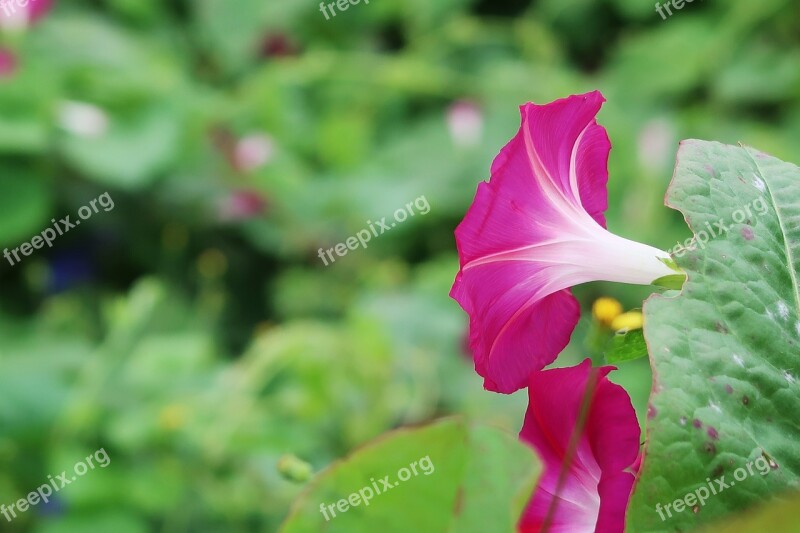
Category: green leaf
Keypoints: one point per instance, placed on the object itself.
(24, 206)
(725, 350)
(671, 264)
(674, 281)
(469, 478)
(626, 346)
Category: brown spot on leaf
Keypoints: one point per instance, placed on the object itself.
(710, 448)
(746, 400)
(747, 233)
(728, 389)
(696, 423)
(713, 433)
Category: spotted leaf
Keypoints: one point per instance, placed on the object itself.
(725, 351)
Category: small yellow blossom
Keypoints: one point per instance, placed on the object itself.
(628, 321)
(605, 310)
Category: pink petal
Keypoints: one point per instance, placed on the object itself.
(516, 312)
(524, 192)
(595, 490)
(573, 149)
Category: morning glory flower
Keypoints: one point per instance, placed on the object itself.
(586, 483)
(534, 230)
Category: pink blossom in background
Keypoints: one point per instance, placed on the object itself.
(8, 64)
(253, 152)
(656, 144)
(595, 488)
(242, 205)
(278, 45)
(534, 230)
(465, 122)
(38, 8)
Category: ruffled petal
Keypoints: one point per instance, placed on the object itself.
(596, 487)
(500, 333)
(572, 149)
(555, 167)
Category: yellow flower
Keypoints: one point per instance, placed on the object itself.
(630, 320)
(605, 310)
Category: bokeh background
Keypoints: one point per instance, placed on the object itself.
(194, 333)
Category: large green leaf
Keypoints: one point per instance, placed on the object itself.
(725, 351)
(475, 479)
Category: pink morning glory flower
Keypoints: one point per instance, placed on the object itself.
(592, 492)
(534, 230)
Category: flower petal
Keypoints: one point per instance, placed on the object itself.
(573, 148)
(595, 489)
(500, 333)
(554, 167)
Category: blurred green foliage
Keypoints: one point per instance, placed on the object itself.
(193, 332)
